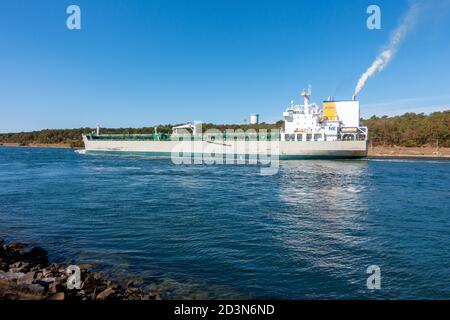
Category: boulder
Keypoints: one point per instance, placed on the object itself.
(16, 246)
(46, 273)
(55, 268)
(10, 276)
(56, 287)
(89, 283)
(58, 296)
(36, 268)
(3, 266)
(27, 278)
(36, 255)
(42, 284)
(20, 266)
(106, 294)
(33, 288)
(48, 279)
(2, 252)
(39, 275)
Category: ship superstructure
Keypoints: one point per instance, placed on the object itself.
(337, 120)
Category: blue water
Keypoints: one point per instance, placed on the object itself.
(224, 231)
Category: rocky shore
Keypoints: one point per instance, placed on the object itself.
(27, 274)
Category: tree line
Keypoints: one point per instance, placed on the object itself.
(408, 130)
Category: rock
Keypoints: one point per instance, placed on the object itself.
(46, 273)
(54, 268)
(20, 266)
(36, 268)
(2, 252)
(106, 294)
(56, 287)
(27, 278)
(16, 246)
(89, 282)
(133, 291)
(12, 256)
(16, 265)
(33, 288)
(9, 276)
(36, 255)
(42, 284)
(153, 294)
(2, 241)
(26, 274)
(81, 294)
(58, 296)
(3, 266)
(48, 280)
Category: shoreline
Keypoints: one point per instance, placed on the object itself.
(419, 153)
(39, 145)
(377, 152)
(27, 274)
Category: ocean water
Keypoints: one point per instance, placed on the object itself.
(225, 231)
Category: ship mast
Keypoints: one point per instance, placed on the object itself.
(306, 94)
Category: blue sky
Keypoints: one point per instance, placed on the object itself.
(144, 62)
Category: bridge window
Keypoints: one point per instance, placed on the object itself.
(289, 137)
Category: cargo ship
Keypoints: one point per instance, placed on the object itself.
(332, 131)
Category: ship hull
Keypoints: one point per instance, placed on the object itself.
(284, 150)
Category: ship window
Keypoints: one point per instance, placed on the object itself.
(299, 137)
(289, 137)
(308, 137)
(317, 136)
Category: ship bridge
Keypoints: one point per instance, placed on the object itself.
(337, 120)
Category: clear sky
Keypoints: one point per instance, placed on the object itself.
(144, 62)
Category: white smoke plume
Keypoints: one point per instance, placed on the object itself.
(397, 36)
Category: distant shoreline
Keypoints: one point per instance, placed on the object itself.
(39, 145)
(425, 153)
(378, 152)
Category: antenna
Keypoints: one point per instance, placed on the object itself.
(306, 95)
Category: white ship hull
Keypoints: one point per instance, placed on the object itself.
(236, 149)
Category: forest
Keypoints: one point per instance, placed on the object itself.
(408, 130)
